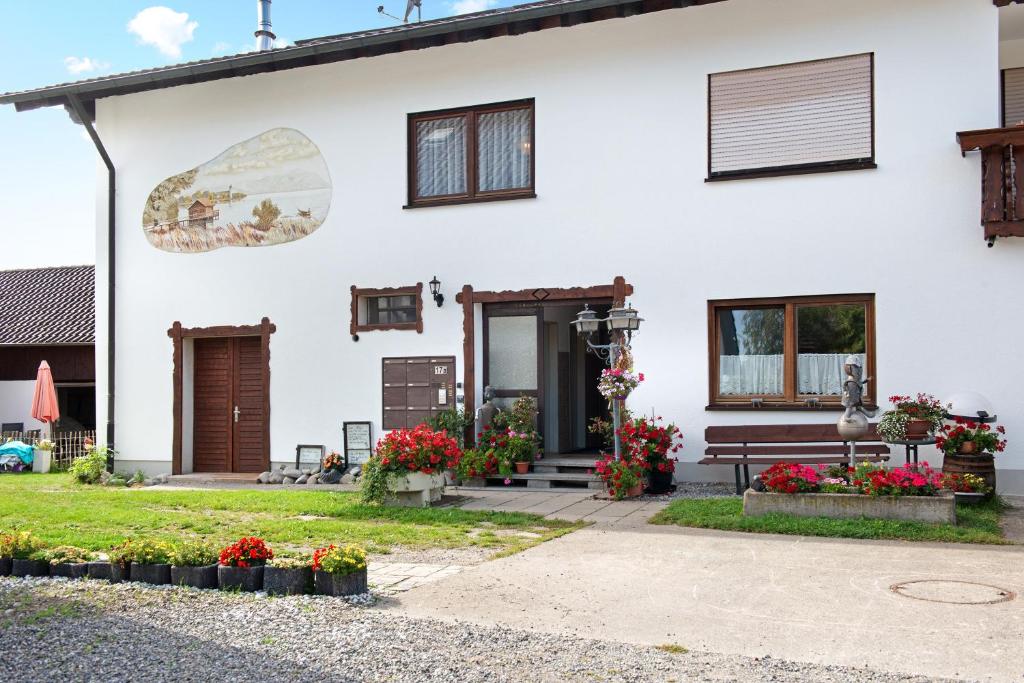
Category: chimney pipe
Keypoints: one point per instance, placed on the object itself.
(264, 36)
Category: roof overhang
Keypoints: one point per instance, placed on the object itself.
(465, 28)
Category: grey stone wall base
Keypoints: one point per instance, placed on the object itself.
(931, 509)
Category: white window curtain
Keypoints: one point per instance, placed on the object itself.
(441, 157)
(818, 374)
(503, 150)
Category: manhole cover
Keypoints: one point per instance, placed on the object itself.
(953, 592)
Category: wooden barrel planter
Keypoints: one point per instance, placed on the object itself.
(982, 465)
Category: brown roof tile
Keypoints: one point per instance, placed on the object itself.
(48, 306)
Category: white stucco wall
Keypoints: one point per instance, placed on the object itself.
(16, 403)
(621, 161)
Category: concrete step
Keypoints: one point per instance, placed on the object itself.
(587, 462)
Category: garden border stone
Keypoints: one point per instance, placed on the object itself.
(196, 577)
(940, 509)
(99, 570)
(156, 574)
(249, 579)
(339, 585)
(30, 567)
(5, 566)
(70, 570)
(119, 573)
(280, 581)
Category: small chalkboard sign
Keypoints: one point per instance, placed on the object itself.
(358, 438)
(309, 456)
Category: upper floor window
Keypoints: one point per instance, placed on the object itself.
(1013, 97)
(473, 154)
(796, 118)
(788, 351)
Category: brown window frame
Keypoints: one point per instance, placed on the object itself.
(795, 169)
(416, 290)
(790, 399)
(472, 194)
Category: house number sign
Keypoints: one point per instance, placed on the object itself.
(358, 441)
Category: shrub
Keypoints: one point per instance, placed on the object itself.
(476, 463)
(69, 554)
(303, 562)
(785, 477)
(90, 467)
(455, 421)
(122, 553)
(246, 552)
(23, 545)
(193, 554)
(149, 551)
(335, 560)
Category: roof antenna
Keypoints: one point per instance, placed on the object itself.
(408, 10)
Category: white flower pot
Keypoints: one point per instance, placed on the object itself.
(415, 489)
(41, 460)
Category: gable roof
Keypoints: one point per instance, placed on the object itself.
(504, 21)
(48, 306)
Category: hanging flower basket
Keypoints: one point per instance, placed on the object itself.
(617, 384)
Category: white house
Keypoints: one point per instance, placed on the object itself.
(773, 184)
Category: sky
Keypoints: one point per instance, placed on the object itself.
(48, 167)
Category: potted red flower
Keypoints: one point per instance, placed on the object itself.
(241, 564)
(409, 466)
(650, 445)
(911, 419)
(624, 478)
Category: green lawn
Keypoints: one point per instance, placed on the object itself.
(61, 511)
(976, 524)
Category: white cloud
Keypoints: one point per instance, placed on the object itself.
(221, 48)
(163, 28)
(468, 6)
(83, 65)
(281, 42)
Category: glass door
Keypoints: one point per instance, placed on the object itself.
(513, 358)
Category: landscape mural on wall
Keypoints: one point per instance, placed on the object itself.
(270, 189)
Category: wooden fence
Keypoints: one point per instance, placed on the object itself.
(66, 445)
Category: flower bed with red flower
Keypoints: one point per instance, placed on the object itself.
(418, 450)
(619, 475)
(951, 438)
(909, 480)
(246, 552)
(964, 483)
(649, 444)
(787, 477)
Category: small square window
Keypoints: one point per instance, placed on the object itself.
(387, 309)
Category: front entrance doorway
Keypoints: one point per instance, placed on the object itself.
(229, 395)
(530, 349)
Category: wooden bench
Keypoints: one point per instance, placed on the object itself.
(806, 444)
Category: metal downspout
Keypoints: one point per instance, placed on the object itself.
(83, 117)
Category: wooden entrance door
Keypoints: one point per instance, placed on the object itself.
(229, 420)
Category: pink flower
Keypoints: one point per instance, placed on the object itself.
(508, 482)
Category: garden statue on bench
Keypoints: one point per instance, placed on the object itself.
(853, 424)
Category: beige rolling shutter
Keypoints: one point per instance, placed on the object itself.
(792, 115)
(1013, 96)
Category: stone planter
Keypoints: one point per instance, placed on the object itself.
(99, 570)
(939, 509)
(70, 570)
(415, 490)
(156, 574)
(5, 566)
(41, 460)
(30, 567)
(196, 577)
(249, 579)
(120, 572)
(279, 581)
(341, 584)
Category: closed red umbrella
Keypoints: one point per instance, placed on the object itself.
(44, 400)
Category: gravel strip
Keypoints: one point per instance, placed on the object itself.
(56, 630)
(695, 489)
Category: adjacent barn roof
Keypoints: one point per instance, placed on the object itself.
(48, 306)
(505, 21)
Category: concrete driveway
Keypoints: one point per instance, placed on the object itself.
(804, 599)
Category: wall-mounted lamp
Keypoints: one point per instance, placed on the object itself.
(435, 291)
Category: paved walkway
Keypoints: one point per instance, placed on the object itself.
(397, 577)
(804, 599)
(567, 505)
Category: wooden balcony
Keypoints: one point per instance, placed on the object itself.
(1002, 178)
